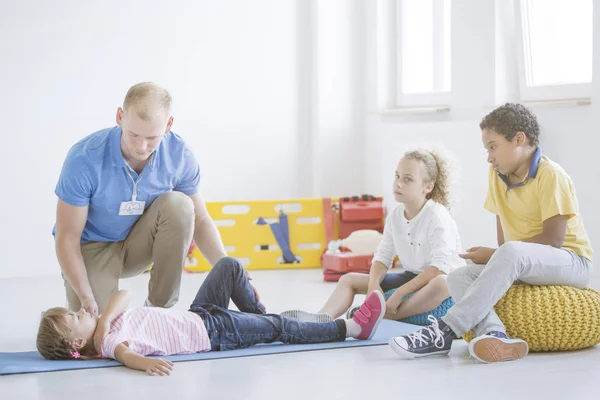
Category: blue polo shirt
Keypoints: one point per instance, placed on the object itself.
(94, 174)
(533, 169)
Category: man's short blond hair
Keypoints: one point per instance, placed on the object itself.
(148, 100)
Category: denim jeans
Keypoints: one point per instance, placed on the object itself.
(229, 329)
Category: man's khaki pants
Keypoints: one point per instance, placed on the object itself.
(159, 239)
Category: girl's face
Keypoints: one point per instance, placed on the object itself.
(411, 183)
(82, 324)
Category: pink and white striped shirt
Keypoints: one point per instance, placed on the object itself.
(153, 331)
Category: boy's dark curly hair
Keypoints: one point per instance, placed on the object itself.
(510, 119)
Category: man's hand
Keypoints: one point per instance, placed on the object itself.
(90, 306)
(157, 366)
(70, 221)
(478, 255)
(101, 330)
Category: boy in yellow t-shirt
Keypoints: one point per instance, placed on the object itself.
(541, 239)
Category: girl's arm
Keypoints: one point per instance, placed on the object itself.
(417, 283)
(376, 275)
(116, 305)
(384, 255)
(442, 238)
(152, 366)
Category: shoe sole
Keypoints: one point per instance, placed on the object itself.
(304, 316)
(412, 356)
(381, 313)
(491, 349)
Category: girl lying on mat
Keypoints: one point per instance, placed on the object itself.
(128, 335)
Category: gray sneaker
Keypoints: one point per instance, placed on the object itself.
(304, 316)
(432, 340)
(351, 312)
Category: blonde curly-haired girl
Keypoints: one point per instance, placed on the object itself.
(420, 232)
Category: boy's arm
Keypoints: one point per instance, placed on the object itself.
(558, 204)
(153, 366)
(499, 231)
(553, 232)
(116, 305)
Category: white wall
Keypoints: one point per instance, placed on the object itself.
(572, 141)
(482, 77)
(278, 98)
(340, 97)
(243, 75)
(457, 131)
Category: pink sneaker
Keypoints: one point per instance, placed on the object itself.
(370, 314)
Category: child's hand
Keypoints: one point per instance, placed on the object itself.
(478, 255)
(255, 292)
(371, 289)
(392, 304)
(252, 286)
(158, 366)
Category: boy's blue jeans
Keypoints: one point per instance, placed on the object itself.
(228, 329)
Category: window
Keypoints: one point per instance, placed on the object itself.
(423, 52)
(556, 54)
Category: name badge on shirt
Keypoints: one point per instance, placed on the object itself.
(132, 208)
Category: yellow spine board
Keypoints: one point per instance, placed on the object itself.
(243, 238)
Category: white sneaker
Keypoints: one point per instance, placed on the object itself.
(496, 346)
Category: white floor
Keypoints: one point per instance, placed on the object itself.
(373, 372)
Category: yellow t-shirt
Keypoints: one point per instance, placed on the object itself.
(523, 208)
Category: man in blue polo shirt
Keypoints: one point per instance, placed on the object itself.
(129, 199)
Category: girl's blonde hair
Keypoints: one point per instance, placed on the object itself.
(53, 338)
(437, 168)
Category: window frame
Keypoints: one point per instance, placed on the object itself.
(527, 93)
(439, 97)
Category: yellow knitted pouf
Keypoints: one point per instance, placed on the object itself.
(550, 318)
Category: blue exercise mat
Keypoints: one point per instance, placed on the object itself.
(32, 361)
